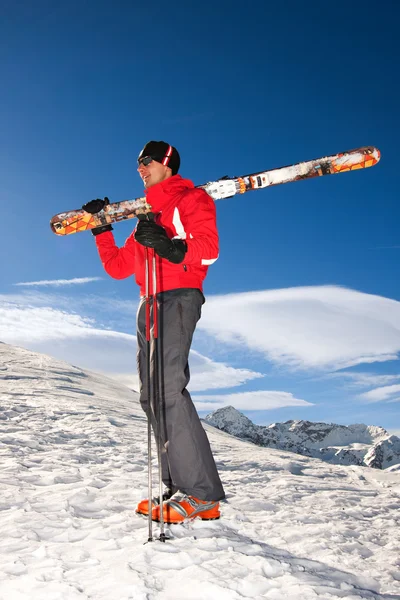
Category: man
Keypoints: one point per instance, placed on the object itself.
(184, 238)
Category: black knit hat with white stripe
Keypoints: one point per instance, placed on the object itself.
(162, 153)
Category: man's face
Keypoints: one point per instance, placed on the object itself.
(153, 173)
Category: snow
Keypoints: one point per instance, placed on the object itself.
(73, 455)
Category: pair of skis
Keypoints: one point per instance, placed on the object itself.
(74, 221)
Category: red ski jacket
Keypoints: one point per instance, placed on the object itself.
(185, 212)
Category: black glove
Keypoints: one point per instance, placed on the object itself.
(149, 234)
(93, 207)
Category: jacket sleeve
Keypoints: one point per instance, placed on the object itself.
(198, 227)
(119, 263)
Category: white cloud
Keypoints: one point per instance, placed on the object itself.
(20, 324)
(261, 400)
(325, 327)
(364, 379)
(67, 336)
(59, 282)
(107, 307)
(315, 328)
(208, 375)
(205, 374)
(388, 393)
(79, 340)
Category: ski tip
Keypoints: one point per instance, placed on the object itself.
(362, 158)
(56, 227)
(374, 154)
(72, 222)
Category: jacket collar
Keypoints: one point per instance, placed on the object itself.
(158, 194)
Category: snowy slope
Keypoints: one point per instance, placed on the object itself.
(338, 444)
(73, 466)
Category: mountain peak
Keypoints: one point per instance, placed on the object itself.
(339, 444)
(232, 421)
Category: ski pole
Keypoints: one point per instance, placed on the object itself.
(158, 387)
(149, 397)
(154, 387)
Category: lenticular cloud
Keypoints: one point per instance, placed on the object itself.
(325, 327)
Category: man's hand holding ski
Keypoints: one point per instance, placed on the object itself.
(95, 206)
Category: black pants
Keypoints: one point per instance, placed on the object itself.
(187, 461)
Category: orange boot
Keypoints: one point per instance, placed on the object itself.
(143, 506)
(181, 507)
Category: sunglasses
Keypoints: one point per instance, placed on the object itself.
(145, 161)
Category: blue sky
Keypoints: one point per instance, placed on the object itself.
(303, 312)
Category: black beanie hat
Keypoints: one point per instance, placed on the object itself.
(162, 153)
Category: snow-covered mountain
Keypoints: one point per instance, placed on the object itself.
(338, 444)
(73, 455)
(384, 454)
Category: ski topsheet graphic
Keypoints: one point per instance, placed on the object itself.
(78, 220)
